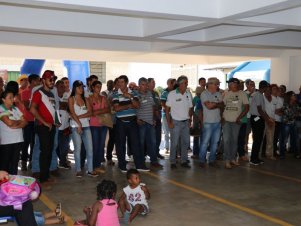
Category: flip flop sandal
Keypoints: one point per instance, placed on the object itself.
(61, 220)
(58, 210)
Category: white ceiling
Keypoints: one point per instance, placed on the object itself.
(167, 31)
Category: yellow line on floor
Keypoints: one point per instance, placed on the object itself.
(273, 174)
(223, 201)
(51, 205)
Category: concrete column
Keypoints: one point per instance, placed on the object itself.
(286, 70)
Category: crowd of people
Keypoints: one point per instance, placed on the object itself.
(39, 116)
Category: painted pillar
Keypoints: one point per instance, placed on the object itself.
(32, 66)
(77, 70)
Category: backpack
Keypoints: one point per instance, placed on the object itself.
(17, 190)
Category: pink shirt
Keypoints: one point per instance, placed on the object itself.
(108, 215)
(94, 121)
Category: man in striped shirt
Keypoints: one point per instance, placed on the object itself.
(125, 102)
(146, 122)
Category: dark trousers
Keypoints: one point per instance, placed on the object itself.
(24, 217)
(46, 138)
(258, 132)
(63, 147)
(158, 129)
(276, 136)
(111, 143)
(128, 130)
(242, 140)
(28, 135)
(10, 155)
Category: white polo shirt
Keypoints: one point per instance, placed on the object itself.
(179, 104)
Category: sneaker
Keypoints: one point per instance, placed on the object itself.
(228, 165)
(79, 174)
(261, 161)
(234, 163)
(214, 165)
(156, 165)
(173, 166)
(186, 165)
(143, 169)
(92, 174)
(123, 170)
(254, 163)
(160, 156)
(64, 166)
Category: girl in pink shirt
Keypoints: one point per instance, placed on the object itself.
(104, 210)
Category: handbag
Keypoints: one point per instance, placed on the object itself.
(105, 119)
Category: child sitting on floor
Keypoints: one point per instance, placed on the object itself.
(104, 211)
(133, 200)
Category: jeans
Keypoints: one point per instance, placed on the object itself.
(230, 137)
(258, 132)
(180, 132)
(210, 133)
(98, 140)
(28, 135)
(147, 138)
(46, 138)
(77, 139)
(166, 132)
(63, 147)
(242, 140)
(288, 130)
(128, 130)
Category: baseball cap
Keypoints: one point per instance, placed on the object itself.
(233, 80)
(21, 77)
(48, 74)
(213, 80)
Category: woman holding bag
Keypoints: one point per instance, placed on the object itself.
(100, 107)
(80, 112)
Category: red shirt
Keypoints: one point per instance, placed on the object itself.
(25, 96)
(42, 109)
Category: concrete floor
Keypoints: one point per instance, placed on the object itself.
(263, 195)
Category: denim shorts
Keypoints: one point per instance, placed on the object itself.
(39, 218)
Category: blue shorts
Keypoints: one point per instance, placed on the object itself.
(39, 218)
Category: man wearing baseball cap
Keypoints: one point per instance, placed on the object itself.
(236, 107)
(43, 109)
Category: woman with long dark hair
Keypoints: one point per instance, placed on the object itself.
(80, 112)
(99, 107)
